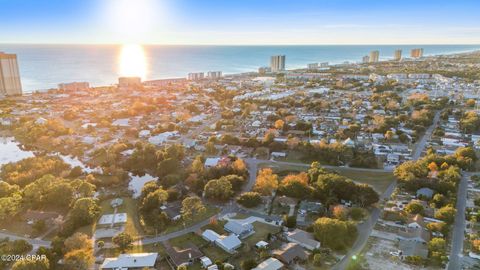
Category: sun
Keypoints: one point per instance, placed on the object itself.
(132, 61)
(133, 21)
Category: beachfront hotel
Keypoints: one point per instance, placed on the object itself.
(9, 76)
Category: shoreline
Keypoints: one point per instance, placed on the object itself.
(245, 71)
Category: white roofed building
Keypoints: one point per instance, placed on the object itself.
(131, 261)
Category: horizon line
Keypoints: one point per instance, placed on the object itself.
(246, 44)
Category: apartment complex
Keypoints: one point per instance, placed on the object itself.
(9, 75)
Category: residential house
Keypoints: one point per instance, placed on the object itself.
(173, 210)
(177, 257)
(229, 243)
(425, 193)
(303, 238)
(134, 261)
(242, 230)
(210, 236)
(290, 253)
(270, 264)
(416, 222)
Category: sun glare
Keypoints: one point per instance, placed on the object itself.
(133, 21)
(133, 62)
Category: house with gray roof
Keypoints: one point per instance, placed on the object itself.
(303, 238)
(242, 230)
(229, 243)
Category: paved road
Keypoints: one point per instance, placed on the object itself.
(365, 229)
(34, 242)
(458, 234)
(420, 146)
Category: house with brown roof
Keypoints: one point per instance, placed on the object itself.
(290, 253)
(177, 257)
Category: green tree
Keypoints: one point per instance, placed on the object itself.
(437, 251)
(295, 186)
(42, 264)
(248, 264)
(414, 208)
(123, 241)
(10, 206)
(266, 182)
(334, 233)
(290, 221)
(84, 212)
(219, 189)
(78, 241)
(356, 213)
(80, 259)
(446, 214)
(250, 199)
(191, 207)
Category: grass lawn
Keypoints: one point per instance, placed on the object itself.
(211, 211)
(215, 253)
(378, 180)
(248, 249)
(218, 227)
(129, 206)
(132, 226)
(185, 240)
(261, 232)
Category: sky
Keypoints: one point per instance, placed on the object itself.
(240, 22)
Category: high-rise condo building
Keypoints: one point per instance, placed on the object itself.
(277, 63)
(214, 74)
(9, 75)
(196, 76)
(312, 66)
(416, 53)
(365, 59)
(374, 56)
(397, 56)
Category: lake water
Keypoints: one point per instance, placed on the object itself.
(137, 182)
(10, 151)
(44, 66)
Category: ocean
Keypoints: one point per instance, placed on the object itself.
(44, 66)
